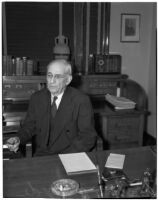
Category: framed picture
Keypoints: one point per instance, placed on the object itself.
(130, 25)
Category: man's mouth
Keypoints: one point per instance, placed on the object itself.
(52, 86)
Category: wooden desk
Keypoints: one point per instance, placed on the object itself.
(32, 177)
(119, 129)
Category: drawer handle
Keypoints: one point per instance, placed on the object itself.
(31, 91)
(18, 86)
(7, 86)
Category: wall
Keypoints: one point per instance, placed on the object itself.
(152, 120)
(138, 61)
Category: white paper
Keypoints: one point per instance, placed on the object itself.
(115, 161)
(77, 162)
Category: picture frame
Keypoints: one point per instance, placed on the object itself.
(130, 27)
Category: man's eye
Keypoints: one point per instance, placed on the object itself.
(56, 76)
(49, 76)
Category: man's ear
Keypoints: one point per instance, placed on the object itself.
(69, 79)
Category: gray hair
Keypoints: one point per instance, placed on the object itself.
(68, 67)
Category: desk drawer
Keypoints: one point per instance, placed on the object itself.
(122, 138)
(123, 129)
(127, 124)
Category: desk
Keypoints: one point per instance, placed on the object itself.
(32, 177)
(119, 129)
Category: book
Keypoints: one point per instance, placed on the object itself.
(120, 103)
(77, 163)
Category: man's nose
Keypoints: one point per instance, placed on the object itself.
(53, 79)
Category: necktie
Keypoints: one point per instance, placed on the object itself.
(52, 116)
(54, 108)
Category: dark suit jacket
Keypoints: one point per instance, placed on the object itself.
(73, 129)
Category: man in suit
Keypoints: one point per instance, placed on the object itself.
(59, 117)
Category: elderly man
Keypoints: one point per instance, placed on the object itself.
(59, 117)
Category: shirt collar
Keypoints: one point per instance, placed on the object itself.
(59, 97)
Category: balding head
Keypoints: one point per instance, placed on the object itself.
(65, 65)
(58, 76)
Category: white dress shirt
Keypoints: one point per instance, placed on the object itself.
(58, 99)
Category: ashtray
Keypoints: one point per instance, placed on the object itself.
(64, 187)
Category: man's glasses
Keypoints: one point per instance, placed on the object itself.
(55, 76)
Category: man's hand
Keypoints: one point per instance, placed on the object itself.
(13, 144)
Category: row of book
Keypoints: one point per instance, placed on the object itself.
(104, 63)
(17, 66)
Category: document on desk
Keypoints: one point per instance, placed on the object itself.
(76, 163)
(115, 161)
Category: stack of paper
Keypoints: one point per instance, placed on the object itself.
(120, 102)
(77, 163)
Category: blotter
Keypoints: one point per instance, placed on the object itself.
(77, 163)
(115, 161)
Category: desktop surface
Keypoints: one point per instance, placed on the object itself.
(33, 177)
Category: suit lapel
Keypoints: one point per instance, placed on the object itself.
(63, 113)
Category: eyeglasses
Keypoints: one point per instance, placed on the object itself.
(55, 76)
